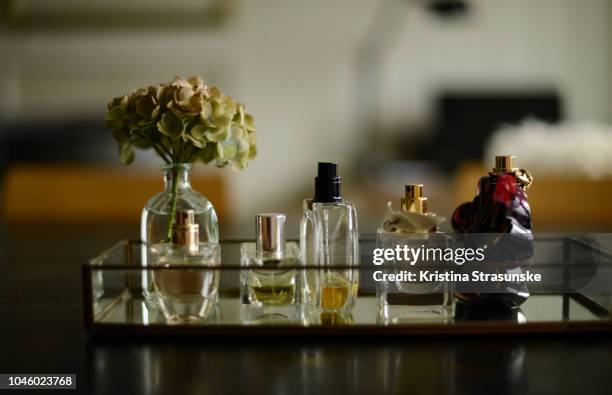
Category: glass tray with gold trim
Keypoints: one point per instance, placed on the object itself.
(114, 303)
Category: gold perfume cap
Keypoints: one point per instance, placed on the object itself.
(270, 230)
(504, 164)
(413, 200)
(187, 231)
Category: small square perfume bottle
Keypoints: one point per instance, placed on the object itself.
(403, 295)
(266, 281)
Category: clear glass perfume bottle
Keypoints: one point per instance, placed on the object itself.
(309, 278)
(156, 227)
(413, 300)
(266, 283)
(329, 240)
(186, 295)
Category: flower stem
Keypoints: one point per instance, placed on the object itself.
(173, 198)
(163, 148)
(160, 153)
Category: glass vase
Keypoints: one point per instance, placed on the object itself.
(158, 221)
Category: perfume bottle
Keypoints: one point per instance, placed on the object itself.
(266, 282)
(412, 300)
(329, 239)
(308, 284)
(186, 295)
(500, 209)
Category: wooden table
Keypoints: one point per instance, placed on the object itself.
(42, 332)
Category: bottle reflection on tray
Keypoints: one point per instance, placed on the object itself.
(467, 313)
(186, 295)
(288, 314)
(336, 319)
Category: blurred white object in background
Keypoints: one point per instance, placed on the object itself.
(569, 149)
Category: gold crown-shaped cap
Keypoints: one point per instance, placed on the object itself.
(504, 164)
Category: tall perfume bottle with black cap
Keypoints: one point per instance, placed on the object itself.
(329, 240)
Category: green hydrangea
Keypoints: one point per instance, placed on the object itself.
(183, 121)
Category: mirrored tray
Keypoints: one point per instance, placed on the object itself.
(114, 303)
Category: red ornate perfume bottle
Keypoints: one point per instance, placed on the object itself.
(500, 206)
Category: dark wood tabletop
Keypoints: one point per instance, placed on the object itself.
(42, 331)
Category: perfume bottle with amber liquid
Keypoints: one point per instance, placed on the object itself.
(329, 242)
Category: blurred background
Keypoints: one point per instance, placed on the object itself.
(395, 91)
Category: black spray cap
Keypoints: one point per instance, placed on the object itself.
(327, 183)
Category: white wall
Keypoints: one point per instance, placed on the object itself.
(564, 43)
(293, 63)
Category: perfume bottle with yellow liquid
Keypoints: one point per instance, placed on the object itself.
(270, 278)
(329, 242)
